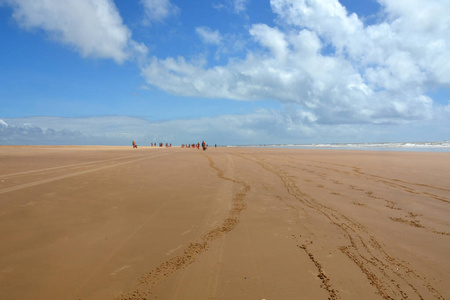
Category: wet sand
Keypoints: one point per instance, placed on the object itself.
(226, 223)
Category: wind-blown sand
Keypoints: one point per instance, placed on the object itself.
(226, 223)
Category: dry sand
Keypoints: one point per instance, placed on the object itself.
(226, 223)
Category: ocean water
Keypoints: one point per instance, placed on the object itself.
(407, 146)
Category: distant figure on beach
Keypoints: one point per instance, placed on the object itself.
(134, 145)
(203, 145)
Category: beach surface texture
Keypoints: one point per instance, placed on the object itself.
(82, 222)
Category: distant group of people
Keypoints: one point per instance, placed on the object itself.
(161, 145)
(154, 144)
(204, 146)
(168, 145)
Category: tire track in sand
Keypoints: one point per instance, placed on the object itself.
(47, 180)
(148, 281)
(5, 176)
(389, 182)
(392, 277)
(403, 185)
(325, 281)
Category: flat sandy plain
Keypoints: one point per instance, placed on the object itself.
(226, 223)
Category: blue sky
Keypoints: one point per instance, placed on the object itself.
(224, 71)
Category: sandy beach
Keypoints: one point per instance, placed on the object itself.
(225, 223)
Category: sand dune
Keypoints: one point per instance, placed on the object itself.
(226, 223)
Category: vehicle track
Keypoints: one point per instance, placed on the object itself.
(391, 182)
(392, 277)
(60, 177)
(5, 176)
(148, 281)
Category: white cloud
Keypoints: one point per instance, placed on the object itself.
(240, 5)
(159, 10)
(272, 39)
(422, 28)
(28, 134)
(299, 75)
(209, 36)
(377, 74)
(92, 27)
(235, 6)
(75, 131)
(417, 30)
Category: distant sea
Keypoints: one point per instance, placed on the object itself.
(407, 146)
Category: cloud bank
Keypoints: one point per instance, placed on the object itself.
(329, 63)
(261, 127)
